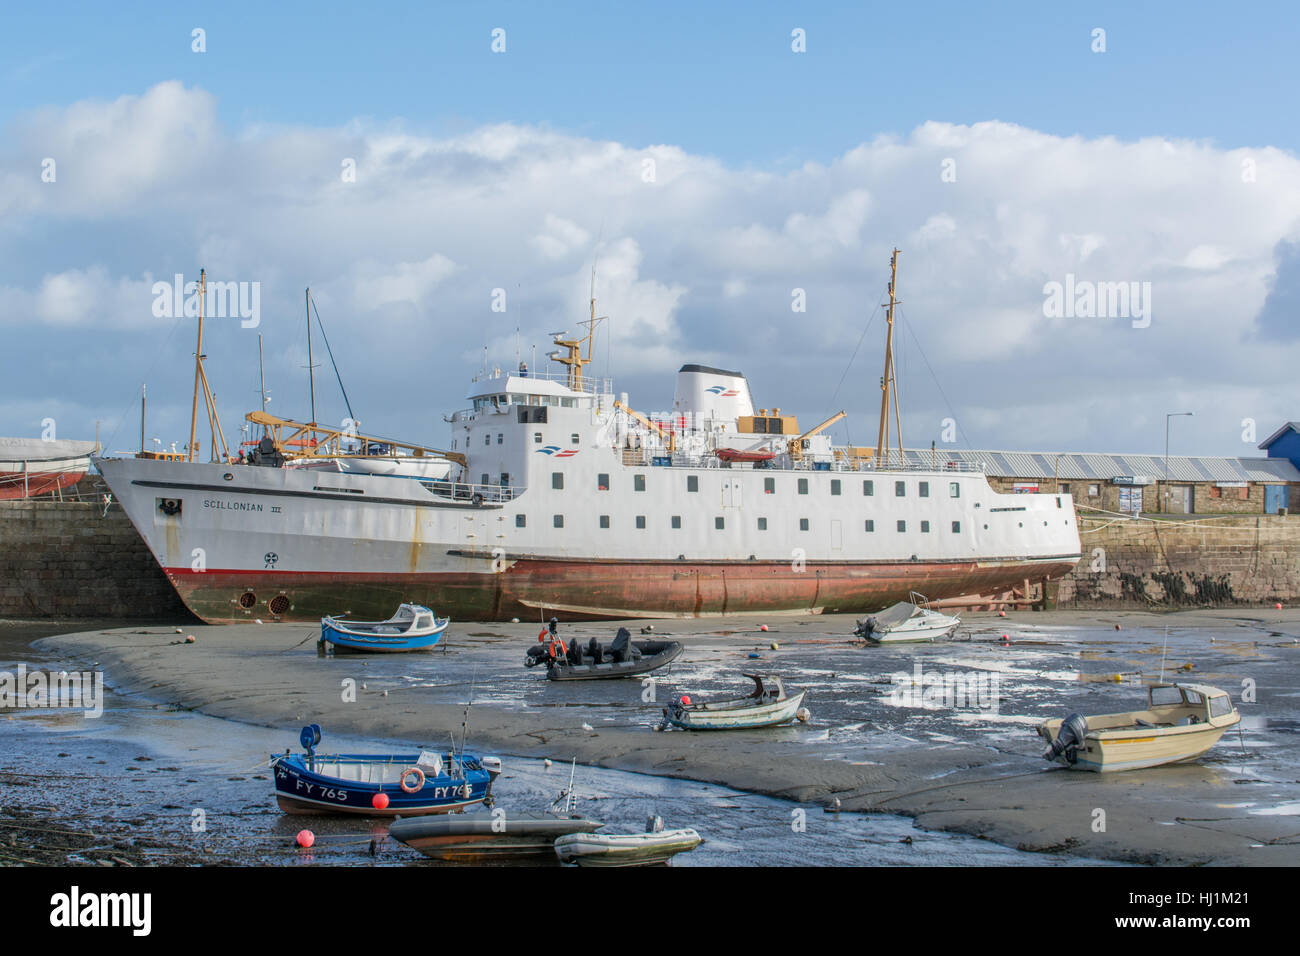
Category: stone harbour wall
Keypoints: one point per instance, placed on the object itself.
(1177, 563)
(73, 559)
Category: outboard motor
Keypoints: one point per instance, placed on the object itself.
(619, 649)
(493, 766)
(1068, 739)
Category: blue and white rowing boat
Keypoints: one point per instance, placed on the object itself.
(413, 628)
(410, 784)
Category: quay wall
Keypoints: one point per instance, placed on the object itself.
(1210, 561)
(70, 559)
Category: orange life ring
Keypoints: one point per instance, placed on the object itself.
(419, 775)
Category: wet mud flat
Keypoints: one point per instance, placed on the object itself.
(149, 784)
(869, 747)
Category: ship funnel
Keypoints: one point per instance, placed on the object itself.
(705, 392)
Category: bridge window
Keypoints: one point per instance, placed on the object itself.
(604, 521)
(923, 489)
(803, 486)
(521, 521)
(602, 482)
(803, 524)
(640, 522)
(559, 521)
(557, 480)
(769, 486)
(925, 527)
(956, 527)
(954, 490)
(870, 526)
(835, 486)
(868, 488)
(762, 524)
(719, 524)
(677, 522)
(902, 525)
(537, 438)
(900, 489)
(692, 483)
(638, 482)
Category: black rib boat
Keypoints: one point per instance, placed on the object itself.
(623, 658)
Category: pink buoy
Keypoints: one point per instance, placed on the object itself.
(686, 700)
(1278, 606)
(379, 801)
(306, 838)
(763, 627)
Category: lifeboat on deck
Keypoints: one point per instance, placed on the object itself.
(737, 454)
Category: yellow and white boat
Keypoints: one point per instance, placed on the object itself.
(1181, 722)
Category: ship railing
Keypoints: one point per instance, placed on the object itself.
(467, 491)
(590, 385)
(652, 457)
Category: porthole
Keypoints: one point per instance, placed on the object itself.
(278, 605)
(247, 600)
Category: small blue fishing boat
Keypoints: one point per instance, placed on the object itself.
(413, 628)
(410, 784)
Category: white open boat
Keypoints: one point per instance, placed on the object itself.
(766, 706)
(1181, 722)
(654, 847)
(907, 622)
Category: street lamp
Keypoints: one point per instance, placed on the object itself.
(1165, 504)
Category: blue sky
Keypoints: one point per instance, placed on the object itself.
(776, 171)
(704, 76)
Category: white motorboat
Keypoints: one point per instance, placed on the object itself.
(907, 622)
(1180, 722)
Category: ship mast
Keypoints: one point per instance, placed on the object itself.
(575, 359)
(311, 369)
(201, 381)
(198, 372)
(888, 384)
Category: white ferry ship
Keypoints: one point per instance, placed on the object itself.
(560, 499)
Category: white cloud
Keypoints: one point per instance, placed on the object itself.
(697, 265)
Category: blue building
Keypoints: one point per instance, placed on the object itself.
(1283, 443)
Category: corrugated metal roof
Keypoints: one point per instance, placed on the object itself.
(1084, 465)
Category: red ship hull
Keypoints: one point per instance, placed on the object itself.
(596, 590)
